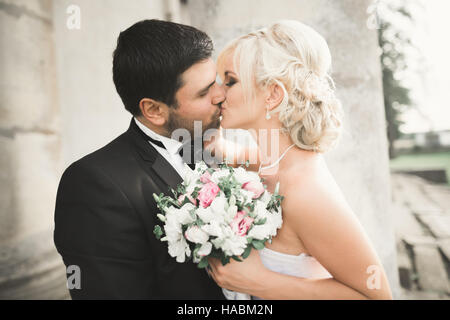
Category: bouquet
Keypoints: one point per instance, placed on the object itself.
(219, 212)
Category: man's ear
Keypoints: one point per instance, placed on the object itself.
(154, 111)
(275, 96)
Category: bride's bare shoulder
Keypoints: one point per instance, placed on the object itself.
(309, 185)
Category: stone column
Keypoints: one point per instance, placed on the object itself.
(30, 267)
(360, 164)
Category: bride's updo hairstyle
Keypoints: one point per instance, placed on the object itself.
(297, 58)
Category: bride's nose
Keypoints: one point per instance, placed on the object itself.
(218, 94)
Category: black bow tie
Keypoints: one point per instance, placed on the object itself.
(190, 156)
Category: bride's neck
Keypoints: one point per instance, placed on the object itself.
(272, 142)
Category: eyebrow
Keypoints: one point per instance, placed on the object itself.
(228, 72)
(204, 90)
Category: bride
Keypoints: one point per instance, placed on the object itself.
(276, 79)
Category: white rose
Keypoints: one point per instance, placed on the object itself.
(196, 235)
(179, 249)
(205, 249)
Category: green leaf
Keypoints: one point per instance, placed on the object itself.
(259, 222)
(225, 260)
(236, 258)
(197, 247)
(158, 232)
(203, 263)
(247, 252)
(258, 244)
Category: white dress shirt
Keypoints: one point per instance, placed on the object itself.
(170, 153)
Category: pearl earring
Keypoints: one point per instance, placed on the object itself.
(268, 116)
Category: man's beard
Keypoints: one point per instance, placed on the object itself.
(177, 122)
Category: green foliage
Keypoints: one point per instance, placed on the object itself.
(393, 44)
(158, 232)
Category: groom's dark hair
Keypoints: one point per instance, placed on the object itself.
(150, 57)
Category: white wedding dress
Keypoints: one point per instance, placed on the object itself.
(302, 266)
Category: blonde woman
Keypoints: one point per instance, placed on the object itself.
(277, 79)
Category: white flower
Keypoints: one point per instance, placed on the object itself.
(172, 228)
(190, 179)
(179, 249)
(242, 176)
(260, 232)
(219, 206)
(170, 210)
(276, 220)
(231, 213)
(260, 210)
(184, 216)
(196, 235)
(244, 196)
(213, 229)
(265, 198)
(200, 165)
(205, 249)
(234, 246)
(205, 214)
(219, 174)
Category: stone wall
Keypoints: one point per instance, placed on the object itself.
(30, 154)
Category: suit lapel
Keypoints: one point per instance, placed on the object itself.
(154, 162)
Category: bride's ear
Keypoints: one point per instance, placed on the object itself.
(275, 96)
(154, 111)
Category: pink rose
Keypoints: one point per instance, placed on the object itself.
(254, 186)
(240, 225)
(183, 196)
(206, 177)
(207, 194)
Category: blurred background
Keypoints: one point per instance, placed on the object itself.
(390, 64)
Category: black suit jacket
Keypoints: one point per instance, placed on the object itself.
(104, 219)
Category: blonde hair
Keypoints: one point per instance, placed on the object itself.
(297, 58)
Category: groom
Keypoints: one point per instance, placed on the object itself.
(105, 212)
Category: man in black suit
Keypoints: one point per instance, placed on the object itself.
(105, 212)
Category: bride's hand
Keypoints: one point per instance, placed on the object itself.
(246, 276)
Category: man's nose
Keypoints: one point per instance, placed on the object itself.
(219, 94)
